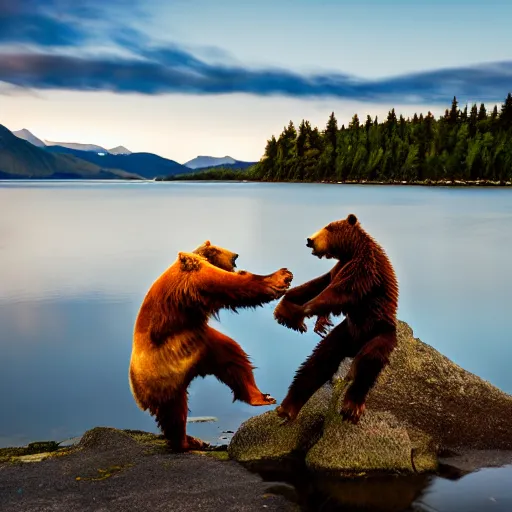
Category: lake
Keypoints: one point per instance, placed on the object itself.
(77, 258)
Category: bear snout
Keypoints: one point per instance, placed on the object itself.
(233, 259)
(309, 242)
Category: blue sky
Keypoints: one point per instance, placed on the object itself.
(189, 77)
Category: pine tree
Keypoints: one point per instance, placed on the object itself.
(453, 115)
(506, 114)
(464, 114)
(331, 130)
(473, 118)
(482, 113)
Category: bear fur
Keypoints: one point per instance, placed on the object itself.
(363, 287)
(173, 343)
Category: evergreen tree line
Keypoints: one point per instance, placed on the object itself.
(461, 145)
(218, 173)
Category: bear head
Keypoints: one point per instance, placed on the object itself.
(336, 240)
(218, 256)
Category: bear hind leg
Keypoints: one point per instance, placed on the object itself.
(364, 372)
(317, 369)
(171, 417)
(227, 361)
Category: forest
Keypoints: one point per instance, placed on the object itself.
(461, 146)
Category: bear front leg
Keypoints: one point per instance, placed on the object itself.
(364, 372)
(306, 291)
(289, 312)
(221, 289)
(329, 301)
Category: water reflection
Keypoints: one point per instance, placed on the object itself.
(487, 489)
(77, 258)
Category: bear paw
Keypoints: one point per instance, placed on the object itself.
(188, 444)
(295, 325)
(323, 323)
(280, 282)
(263, 399)
(352, 411)
(287, 413)
(290, 315)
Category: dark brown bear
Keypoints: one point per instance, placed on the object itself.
(173, 343)
(362, 286)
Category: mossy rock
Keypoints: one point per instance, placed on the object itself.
(430, 393)
(421, 404)
(265, 437)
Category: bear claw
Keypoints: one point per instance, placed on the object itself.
(286, 415)
(352, 412)
(191, 443)
(265, 399)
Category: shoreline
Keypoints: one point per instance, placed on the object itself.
(439, 183)
(108, 467)
(466, 460)
(402, 183)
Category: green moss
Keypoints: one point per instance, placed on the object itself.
(24, 453)
(104, 473)
(145, 437)
(219, 455)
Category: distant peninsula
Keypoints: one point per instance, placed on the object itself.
(460, 148)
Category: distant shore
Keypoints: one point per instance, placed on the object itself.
(191, 178)
(426, 183)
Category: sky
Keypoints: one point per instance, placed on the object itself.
(194, 77)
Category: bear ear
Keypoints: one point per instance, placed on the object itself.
(207, 243)
(352, 219)
(189, 261)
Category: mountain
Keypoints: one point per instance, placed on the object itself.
(237, 166)
(146, 165)
(22, 159)
(207, 162)
(200, 162)
(75, 145)
(119, 150)
(29, 137)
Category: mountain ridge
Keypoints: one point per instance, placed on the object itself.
(146, 165)
(20, 159)
(209, 162)
(29, 137)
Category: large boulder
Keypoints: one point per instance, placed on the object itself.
(422, 404)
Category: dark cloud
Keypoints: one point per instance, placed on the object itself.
(159, 69)
(23, 27)
(51, 22)
(173, 70)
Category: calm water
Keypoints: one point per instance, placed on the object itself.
(76, 260)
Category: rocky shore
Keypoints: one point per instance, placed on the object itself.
(423, 406)
(120, 470)
(426, 416)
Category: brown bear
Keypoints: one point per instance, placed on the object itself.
(173, 343)
(363, 287)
